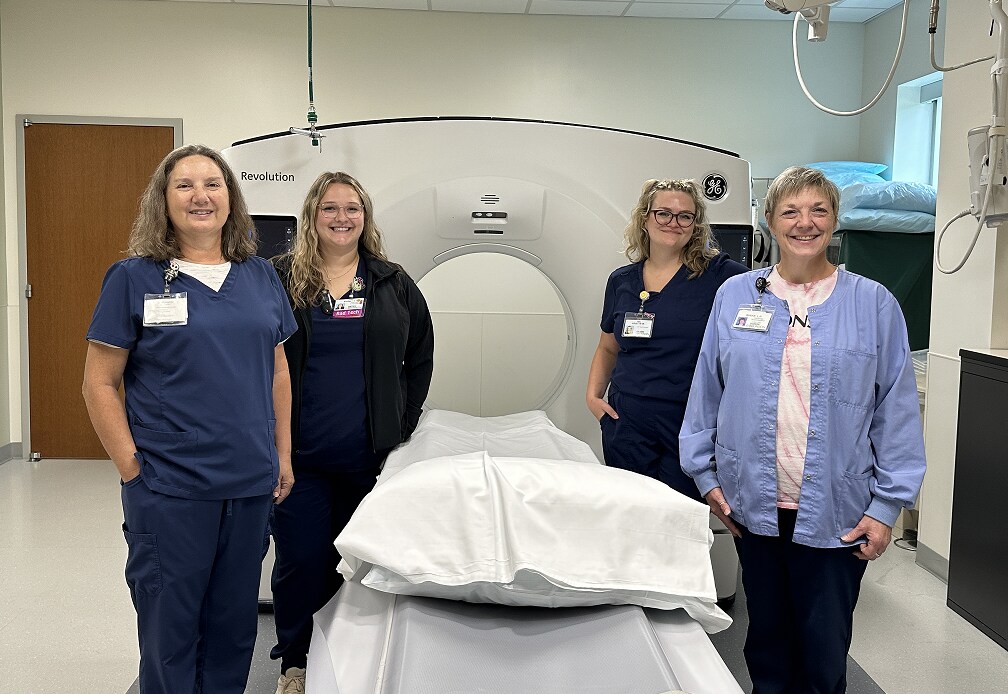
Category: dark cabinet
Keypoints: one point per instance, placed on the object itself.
(978, 551)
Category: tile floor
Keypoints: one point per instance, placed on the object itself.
(67, 624)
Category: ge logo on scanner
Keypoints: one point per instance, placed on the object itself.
(715, 187)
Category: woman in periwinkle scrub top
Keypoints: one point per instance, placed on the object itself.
(803, 433)
(191, 325)
(653, 319)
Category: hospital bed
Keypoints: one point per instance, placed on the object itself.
(376, 642)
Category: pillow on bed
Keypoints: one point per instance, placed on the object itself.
(890, 195)
(525, 531)
(845, 173)
(856, 166)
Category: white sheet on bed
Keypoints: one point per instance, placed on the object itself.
(530, 530)
(525, 434)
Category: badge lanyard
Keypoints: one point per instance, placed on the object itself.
(639, 324)
(351, 307)
(755, 317)
(167, 308)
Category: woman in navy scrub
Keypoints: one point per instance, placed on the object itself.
(653, 320)
(191, 325)
(361, 365)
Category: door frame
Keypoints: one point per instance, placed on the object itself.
(23, 450)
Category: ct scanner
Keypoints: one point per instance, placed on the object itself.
(554, 195)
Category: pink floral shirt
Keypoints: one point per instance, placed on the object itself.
(795, 382)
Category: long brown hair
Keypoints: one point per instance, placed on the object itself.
(153, 236)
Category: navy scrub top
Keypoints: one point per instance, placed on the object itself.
(334, 431)
(661, 366)
(199, 397)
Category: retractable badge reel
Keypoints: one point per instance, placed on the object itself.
(349, 307)
(755, 317)
(166, 308)
(639, 324)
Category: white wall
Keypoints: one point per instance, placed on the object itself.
(881, 36)
(236, 71)
(968, 309)
(5, 333)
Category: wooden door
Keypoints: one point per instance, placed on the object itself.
(82, 189)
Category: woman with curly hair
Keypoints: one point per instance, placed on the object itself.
(653, 320)
(361, 365)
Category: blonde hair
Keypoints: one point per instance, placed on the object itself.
(793, 181)
(305, 281)
(700, 248)
(153, 236)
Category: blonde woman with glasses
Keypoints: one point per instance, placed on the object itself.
(360, 366)
(653, 319)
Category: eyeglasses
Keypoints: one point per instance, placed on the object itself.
(330, 210)
(683, 219)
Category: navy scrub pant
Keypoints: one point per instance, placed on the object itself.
(645, 439)
(193, 572)
(801, 603)
(305, 578)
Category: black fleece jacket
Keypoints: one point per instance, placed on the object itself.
(398, 352)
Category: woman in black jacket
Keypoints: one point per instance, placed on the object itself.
(360, 366)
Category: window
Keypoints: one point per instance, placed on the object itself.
(918, 129)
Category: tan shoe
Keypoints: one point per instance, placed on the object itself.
(292, 682)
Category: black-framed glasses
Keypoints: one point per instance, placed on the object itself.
(683, 219)
(330, 210)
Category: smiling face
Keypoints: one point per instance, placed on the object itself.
(197, 199)
(803, 224)
(670, 236)
(340, 233)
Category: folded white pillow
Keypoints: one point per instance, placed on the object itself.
(527, 531)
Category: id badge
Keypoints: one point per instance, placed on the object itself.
(753, 317)
(638, 324)
(348, 308)
(166, 309)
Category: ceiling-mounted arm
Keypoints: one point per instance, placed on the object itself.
(310, 131)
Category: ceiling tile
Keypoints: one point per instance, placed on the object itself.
(323, 3)
(674, 10)
(868, 4)
(383, 4)
(858, 11)
(481, 6)
(609, 8)
(859, 16)
(722, 3)
(755, 12)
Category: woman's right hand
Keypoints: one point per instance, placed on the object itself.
(128, 471)
(599, 407)
(720, 508)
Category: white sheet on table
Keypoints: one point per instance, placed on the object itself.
(525, 434)
(528, 531)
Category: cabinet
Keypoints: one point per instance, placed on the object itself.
(978, 572)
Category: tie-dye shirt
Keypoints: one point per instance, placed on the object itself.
(795, 382)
